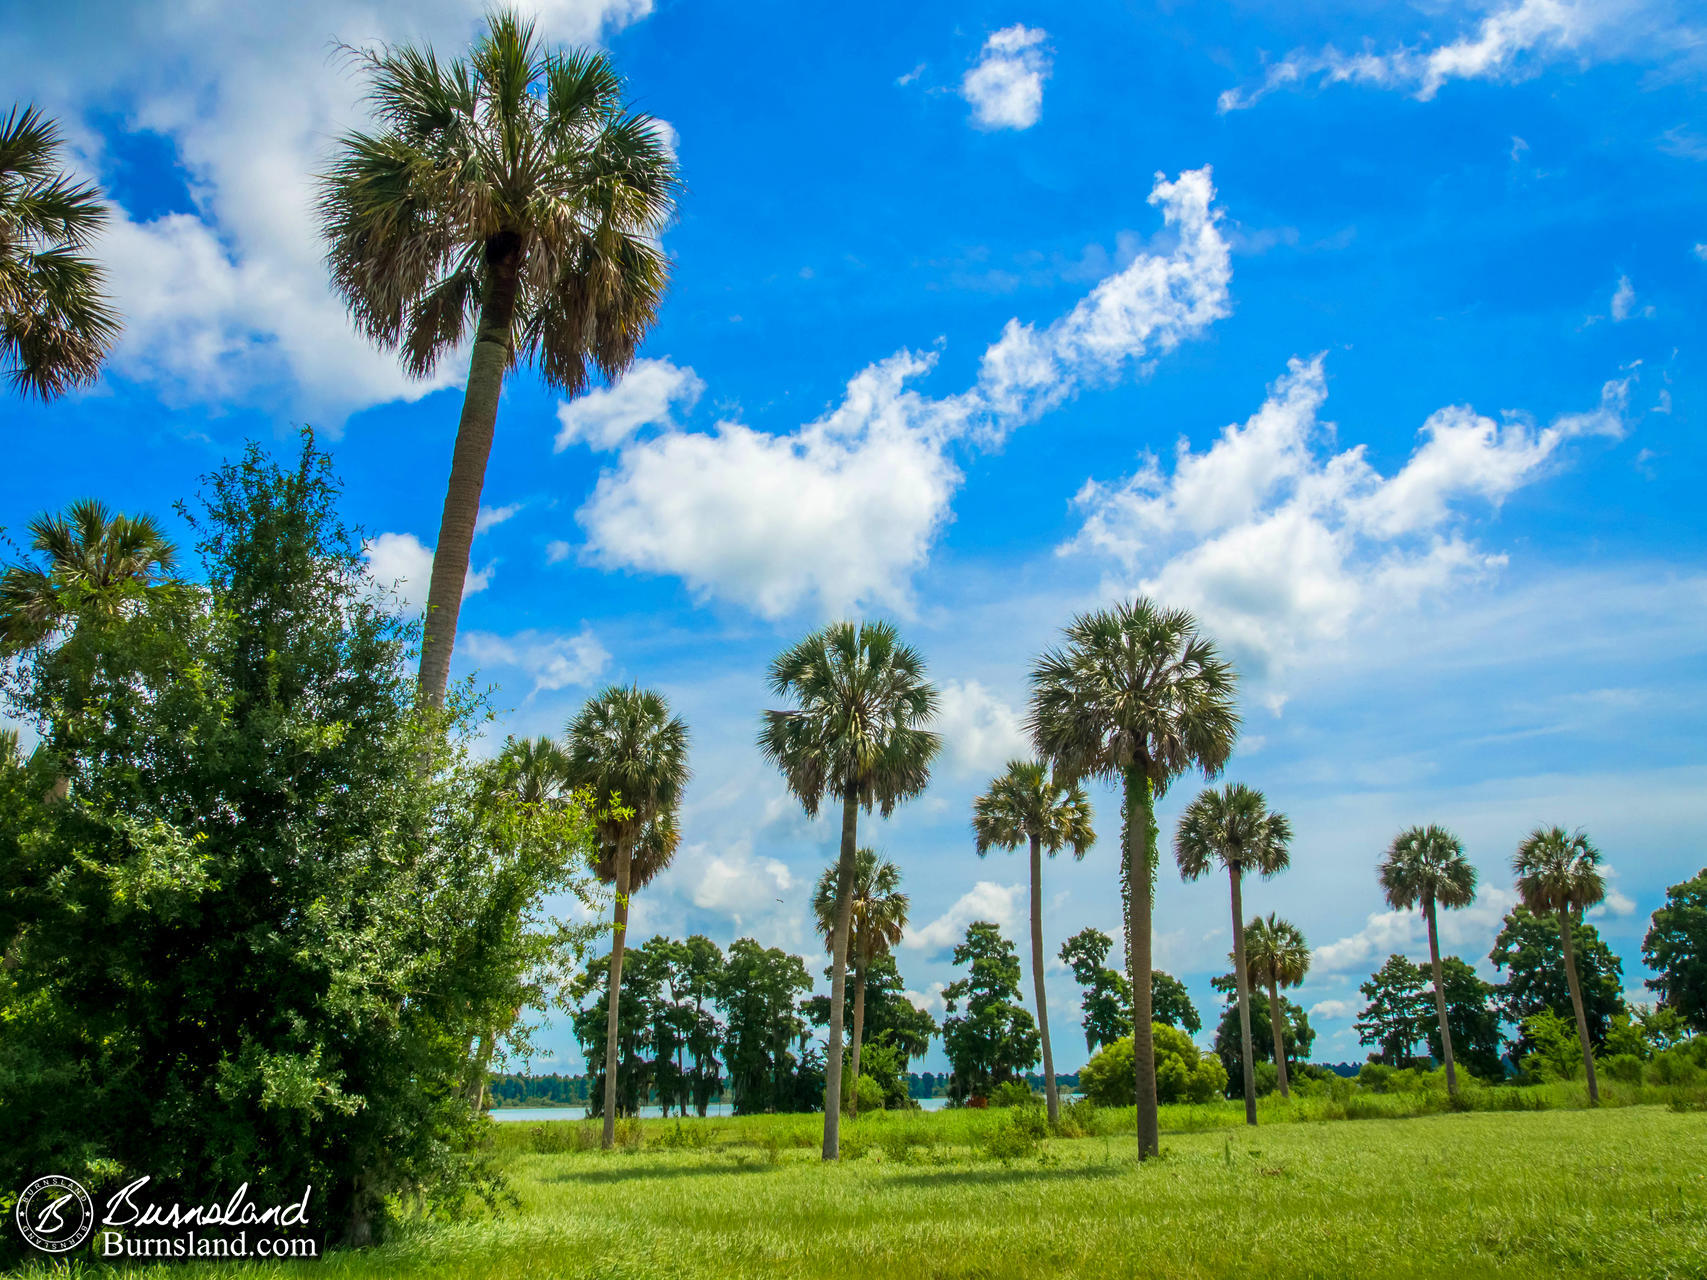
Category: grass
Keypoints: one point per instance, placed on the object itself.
(1619, 1191)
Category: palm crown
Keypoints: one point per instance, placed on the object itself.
(1232, 826)
(1275, 952)
(1028, 802)
(56, 324)
(534, 770)
(879, 911)
(862, 702)
(1558, 871)
(631, 752)
(1427, 864)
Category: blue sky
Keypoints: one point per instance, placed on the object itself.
(1371, 333)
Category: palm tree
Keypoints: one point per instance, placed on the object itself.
(1233, 826)
(1559, 871)
(1427, 865)
(1276, 955)
(513, 191)
(56, 323)
(1136, 694)
(875, 924)
(631, 753)
(857, 732)
(1030, 804)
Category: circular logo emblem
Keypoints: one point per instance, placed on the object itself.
(55, 1214)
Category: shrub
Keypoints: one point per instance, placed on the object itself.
(1018, 1134)
(868, 1093)
(1266, 1077)
(1674, 1066)
(1626, 1068)
(1183, 1072)
(1012, 1093)
(1375, 1076)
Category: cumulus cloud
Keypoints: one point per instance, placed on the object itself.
(1002, 905)
(492, 517)
(1470, 932)
(647, 396)
(1005, 87)
(1508, 43)
(1334, 1010)
(554, 660)
(1281, 545)
(401, 562)
(980, 732)
(841, 511)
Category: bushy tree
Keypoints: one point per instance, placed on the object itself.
(1183, 1072)
(1106, 996)
(995, 1039)
(1528, 950)
(890, 1017)
(1676, 950)
(1473, 1017)
(1395, 1019)
(1296, 1034)
(758, 992)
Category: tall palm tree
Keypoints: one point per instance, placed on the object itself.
(1234, 826)
(876, 922)
(56, 323)
(1137, 695)
(1559, 871)
(857, 732)
(1030, 804)
(515, 192)
(1427, 865)
(1277, 956)
(629, 750)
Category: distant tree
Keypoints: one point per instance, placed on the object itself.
(1030, 805)
(875, 924)
(1473, 1014)
(1528, 950)
(1297, 1035)
(995, 1039)
(1676, 950)
(1395, 1019)
(1276, 956)
(56, 322)
(1106, 1000)
(700, 976)
(1136, 694)
(1559, 871)
(890, 1017)
(1234, 827)
(759, 992)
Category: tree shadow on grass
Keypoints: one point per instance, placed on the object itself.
(631, 1172)
(1001, 1175)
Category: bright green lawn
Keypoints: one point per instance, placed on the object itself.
(1615, 1192)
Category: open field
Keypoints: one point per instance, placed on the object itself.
(1621, 1191)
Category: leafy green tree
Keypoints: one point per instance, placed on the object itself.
(1529, 951)
(1427, 865)
(1030, 805)
(1276, 956)
(1107, 997)
(1559, 871)
(624, 1071)
(995, 1039)
(1296, 1033)
(1473, 1018)
(700, 977)
(890, 1017)
(1676, 950)
(1183, 1072)
(857, 732)
(56, 322)
(1137, 695)
(1234, 826)
(513, 191)
(876, 922)
(630, 753)
(1395, 1018)
(758, 991)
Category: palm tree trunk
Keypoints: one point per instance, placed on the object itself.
(473, 448)
(1577, 1004)
(624, 858)
(1242, 981)
(1140, 854)
(1277, 1024)
(1050, 1092)
(839, 975)
(858, 1035)
(1440, 1000)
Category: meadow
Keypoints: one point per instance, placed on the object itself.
(1550, 1189)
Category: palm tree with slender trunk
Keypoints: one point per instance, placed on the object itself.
(1139, 696)
(513, 192)
(1427, 865)
(1235, 827)
(876, 922)
(858, 733)
(1559, 872)
(1031, 805)
(630, 753)
(56, 322)
(1276, 956)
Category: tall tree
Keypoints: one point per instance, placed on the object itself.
(1395, 1017)
(56, 322)
(1032, 806)
(1297, 1035)
(1276, 956)
(1427, 865)
(631, 753)
(857, 733)
(1136, 695)
(513, 191)
(1529, 951)
(1675, 948)
(1106, 996)
(1472, 1012)
(1234, 826)
(876, 921)
(1559, 872)
(994, 1039)
(759, 991)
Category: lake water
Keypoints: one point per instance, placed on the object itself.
(536, 1114)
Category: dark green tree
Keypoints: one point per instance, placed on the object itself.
(1396, 1017)
(1558, 871)
(1296, 1034)
(890, 1017)
(1676, 950)
(700, 978)
(1473, 1016)
(1529, 953)
(995, 1039)
(758, 991)
(1106, 999)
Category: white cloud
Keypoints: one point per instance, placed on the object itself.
(1508, 43)
(555, 661)
(492, 517)
(400, 561)
(647, 396)
(1468, 933)
(1624, 302)
(1334, 1010)
(1281, 545)
(980, 732)
(1005, 88)
(1701, 251)
(842, 511)
(1616, 904)
(1002, 905)
(557, 551)
(930, 1000)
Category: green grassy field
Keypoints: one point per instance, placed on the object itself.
(1621, 1191)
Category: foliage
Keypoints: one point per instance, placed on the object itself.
(1553, 1052)
(758, 992)
(1106, 996)
(1675, 948)
(1297, 1035)
(1397, 1015)
(1013, 1093)
(1183, 1072)
(890, 1017)
(1473, 1017)
(995, 1038)
(1529, 951)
